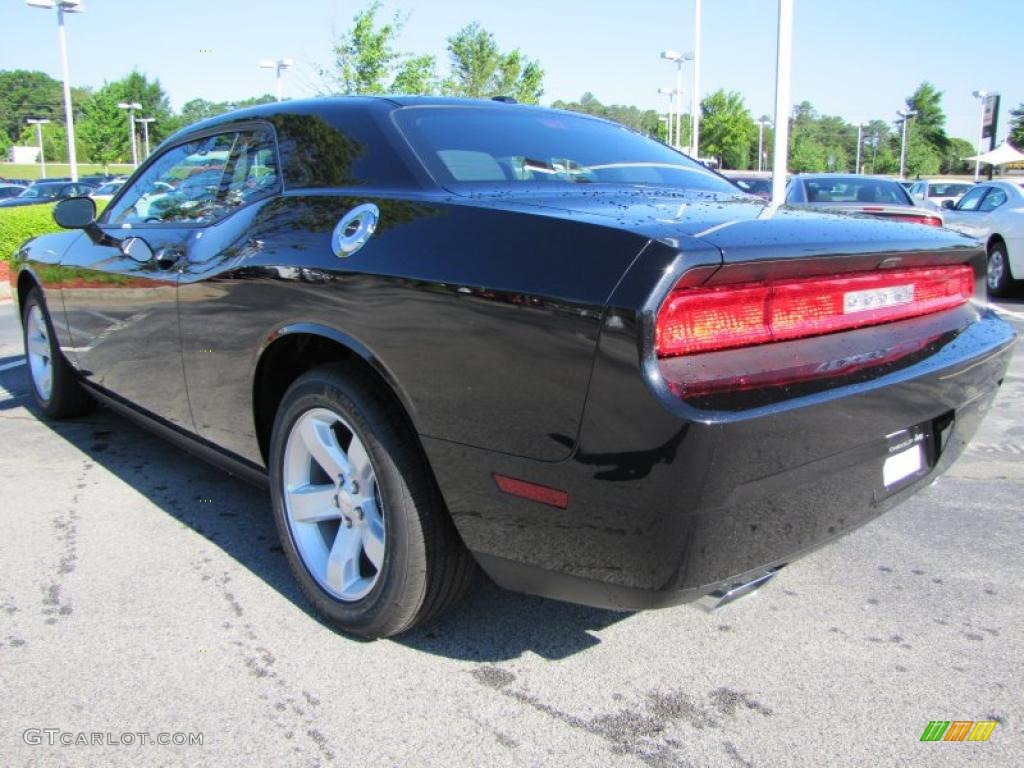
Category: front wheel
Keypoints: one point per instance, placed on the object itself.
(360, 518)
(55, 388)
(999, 279)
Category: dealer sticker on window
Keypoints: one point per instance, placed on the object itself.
(906, 457)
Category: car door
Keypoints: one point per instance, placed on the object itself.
(966, 216)
(215, 327)
(120, 302)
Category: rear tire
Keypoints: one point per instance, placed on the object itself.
(56, 389)
(999, 278)
(361, 521)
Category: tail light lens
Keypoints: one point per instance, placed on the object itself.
(694, 320)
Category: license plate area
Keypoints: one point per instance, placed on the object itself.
(911, 453)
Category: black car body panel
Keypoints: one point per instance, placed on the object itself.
(514, 328)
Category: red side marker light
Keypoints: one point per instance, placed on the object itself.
(532, 491)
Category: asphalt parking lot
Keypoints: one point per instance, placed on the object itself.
(143, 592)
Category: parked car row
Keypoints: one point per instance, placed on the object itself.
(992, 211)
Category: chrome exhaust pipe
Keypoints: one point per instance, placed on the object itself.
(731, 592)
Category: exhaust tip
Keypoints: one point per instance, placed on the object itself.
(731, 592)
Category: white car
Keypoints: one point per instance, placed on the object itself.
(993, 212)
(933, 193)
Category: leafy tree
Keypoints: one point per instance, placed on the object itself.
(25, 94)
(953, 161)
(727, 129)
(922, 157)
(806, 154)
(104, 127)
(416, 76)
(1016, 136)
(930, 120)
(199, 109)
(480, 70)
(365, 55)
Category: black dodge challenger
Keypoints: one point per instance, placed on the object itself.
(451, 334)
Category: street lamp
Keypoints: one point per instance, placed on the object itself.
(695, 95)
(278, 65)
(39, 123)
(670, 119)
(131, 106)
(760, 140)
(678, 58)
(906, 114)
(860, 133)
(64, 6)
(145, 132)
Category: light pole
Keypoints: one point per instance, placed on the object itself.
(695, 95)
(131, 106)
(64, 6)
(670, 120)
(981, 96)
(906, 114)
(783, 67)
(678, 58)
(145, 133)
(39, 123)
(760, 141)
(278, 65)
(860, 133)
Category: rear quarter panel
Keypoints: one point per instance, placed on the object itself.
(486, 321)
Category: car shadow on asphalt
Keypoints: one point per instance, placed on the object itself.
(490, 625)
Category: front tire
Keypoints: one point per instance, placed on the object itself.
(56, 389)
(999, 279)
(361, 521)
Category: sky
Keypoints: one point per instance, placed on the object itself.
(858, 59)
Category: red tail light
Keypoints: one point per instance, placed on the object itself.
(693, 320)
(931, 221)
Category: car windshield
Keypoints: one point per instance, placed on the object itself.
(755, 186)
(508, 146)
(947, 190)
(41, 191)
(855, 190)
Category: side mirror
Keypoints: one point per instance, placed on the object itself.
(136, 249)
(75, 212)
(948, 205)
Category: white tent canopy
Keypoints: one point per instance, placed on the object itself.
(1001, 155)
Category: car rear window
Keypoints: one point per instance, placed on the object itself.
(948, 190)
(846, 190)
(508, 145)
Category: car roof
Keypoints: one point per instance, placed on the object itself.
(326, 104)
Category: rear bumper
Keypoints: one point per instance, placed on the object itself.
(667, 506)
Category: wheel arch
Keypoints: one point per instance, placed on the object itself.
(27, 280)
(997, 239)
(292, 350)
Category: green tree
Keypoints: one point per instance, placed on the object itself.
(365, 54)
(416, 76)
(1016, 137)
(480, 70)
(922, 158)
(25, 94)
(104, 128)
(55, 141)
(953, 161)
(727, 129)
(930, 120)
(806, 154)
(474, 61)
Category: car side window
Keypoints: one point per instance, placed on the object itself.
(992, 200)
(200, 182)
(971, 200)
(253, 169)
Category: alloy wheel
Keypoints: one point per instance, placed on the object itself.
(332, 504)
(37, 347)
